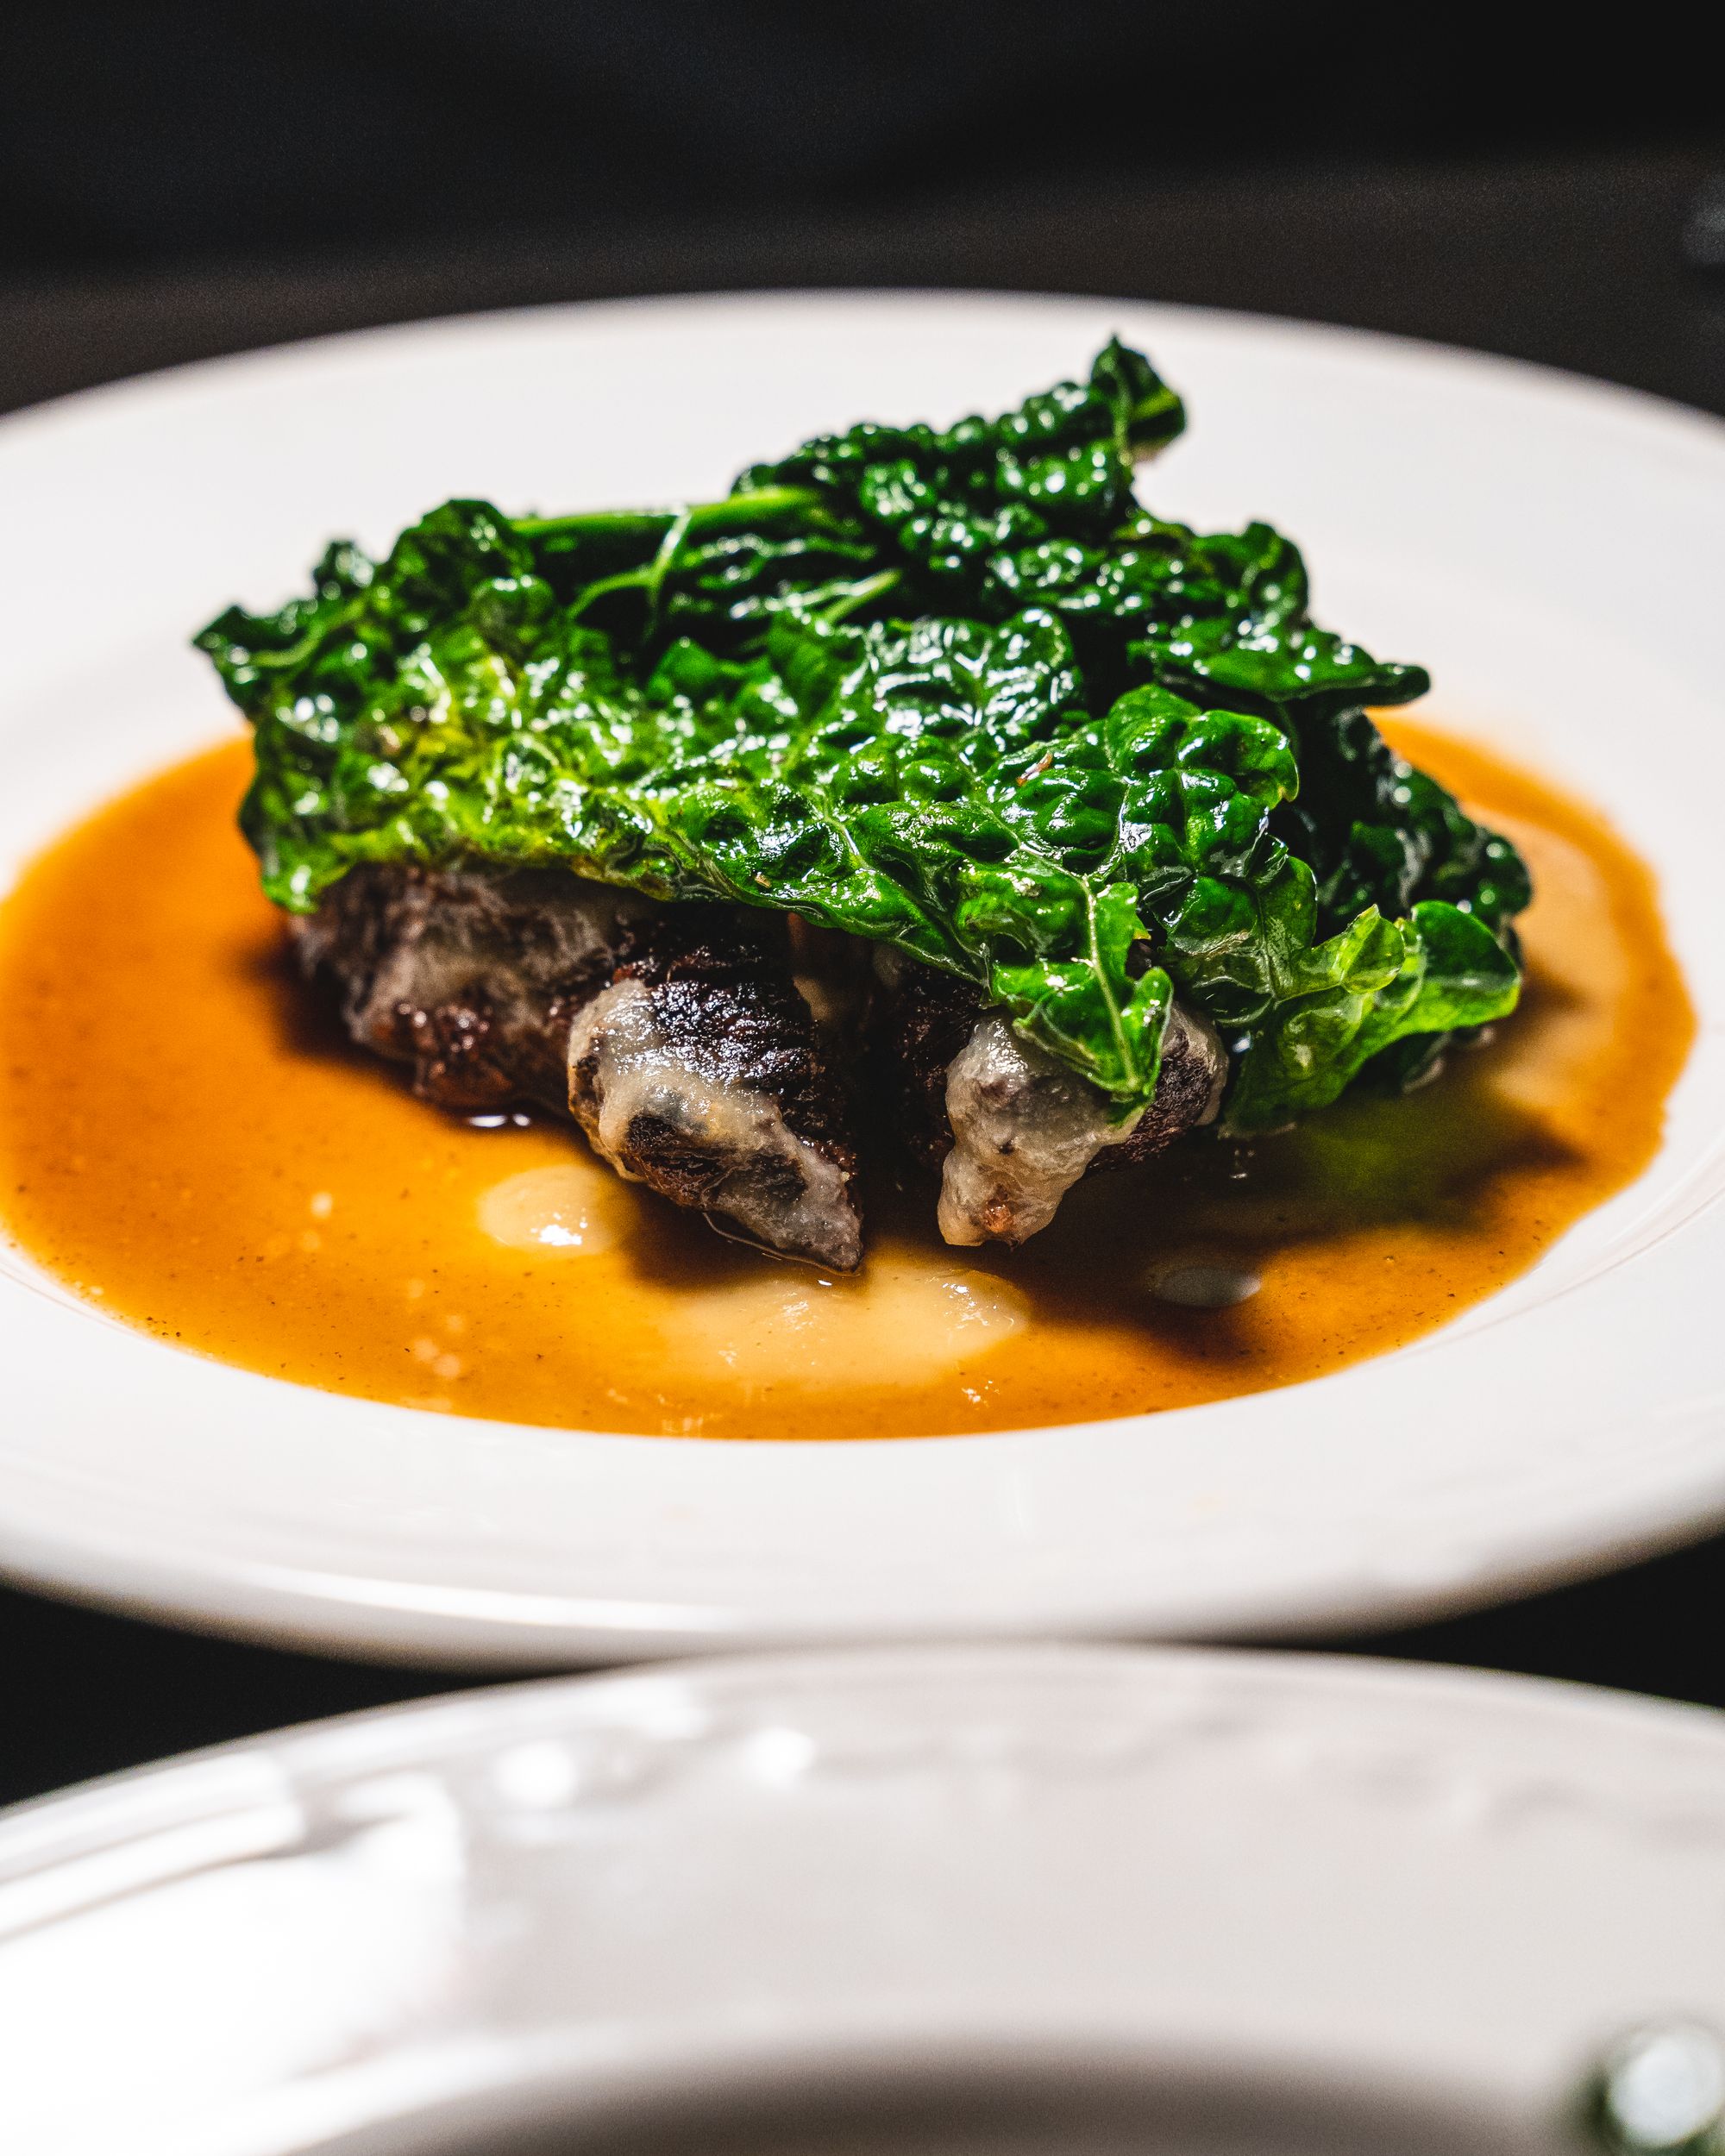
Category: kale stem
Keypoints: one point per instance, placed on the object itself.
(624, 580)
(733, 510)
(595, 523)
(746, 509)
(859, 594)
(662, 562)
(298, 653)
(672, 527)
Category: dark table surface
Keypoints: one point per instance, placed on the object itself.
(1577, 261)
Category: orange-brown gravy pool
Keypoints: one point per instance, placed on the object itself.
(189, 1142)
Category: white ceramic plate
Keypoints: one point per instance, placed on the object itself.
(1406, 1907)
(1549, 546)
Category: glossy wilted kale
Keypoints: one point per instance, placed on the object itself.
(955, 693)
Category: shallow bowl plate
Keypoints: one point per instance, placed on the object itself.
(1549, 546)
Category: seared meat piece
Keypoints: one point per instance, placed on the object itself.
(473, 979)
(675, 1035)
(1010, 1129)
(1024, 1129)
(699, 1071)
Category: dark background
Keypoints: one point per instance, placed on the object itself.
(179, 181)
(140, 131)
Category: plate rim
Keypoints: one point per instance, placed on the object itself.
(1598, 392)
(1366, 1675)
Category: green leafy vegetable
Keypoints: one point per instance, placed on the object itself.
(956, 692)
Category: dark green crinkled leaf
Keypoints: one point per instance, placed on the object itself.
(955, 692)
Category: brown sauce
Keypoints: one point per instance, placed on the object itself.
(187, 1141)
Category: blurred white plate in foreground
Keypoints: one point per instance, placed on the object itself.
(1040, 1899)
(1549, 547)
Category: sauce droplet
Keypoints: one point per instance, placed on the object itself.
(1204, 1287)
(905, 1318)
(568, 1211)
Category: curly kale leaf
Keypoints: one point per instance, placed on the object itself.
(982, 519)
(949, 509)
(1378, 831)
(936, 787)
(1038, 508)
(953, 691)
(909, 517)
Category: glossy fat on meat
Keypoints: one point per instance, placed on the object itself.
(1024, 1129)
(1011, 1130)
(676, 1036)
(700, 1071)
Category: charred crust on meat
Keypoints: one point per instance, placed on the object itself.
(701, 1046)
(470, 979)
(484, 984)
(723, 984)
(700, 1071)
(1188, 1096)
